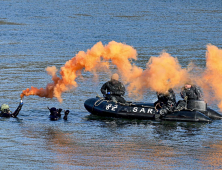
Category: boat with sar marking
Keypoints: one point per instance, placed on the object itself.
(141, 110)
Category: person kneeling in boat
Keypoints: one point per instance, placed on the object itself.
(166, 102)
(5, 111)
(114, 89)
(189, 93)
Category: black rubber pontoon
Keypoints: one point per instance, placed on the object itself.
(139, 110)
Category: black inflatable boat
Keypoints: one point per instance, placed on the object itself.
(139, 110)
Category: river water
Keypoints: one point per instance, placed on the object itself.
(37, 34)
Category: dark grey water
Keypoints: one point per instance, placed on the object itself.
(37, 34)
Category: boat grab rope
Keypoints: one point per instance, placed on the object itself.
(99, 101)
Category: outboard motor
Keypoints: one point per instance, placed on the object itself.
(198, 105)
(201, 106)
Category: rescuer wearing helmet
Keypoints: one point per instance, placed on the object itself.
(5, 110)
(114, 89)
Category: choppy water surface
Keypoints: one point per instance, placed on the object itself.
(37, 34)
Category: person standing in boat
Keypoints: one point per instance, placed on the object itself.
(166, 102)
(5, 110)
(114, 89)
(189, 92)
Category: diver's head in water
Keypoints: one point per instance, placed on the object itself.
(5, 108)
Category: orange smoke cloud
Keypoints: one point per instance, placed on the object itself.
(48, 91)
(95, 58)
(120, 54)
(162, 73)
(212, 77)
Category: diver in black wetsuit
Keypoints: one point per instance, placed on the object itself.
(114, 89)
(5, 111)
(55, 114)
(166, 102)
(189, 92)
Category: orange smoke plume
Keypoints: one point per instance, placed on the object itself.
(120, 54)
(212, 77)
(162, 73)
(97, 57)
(48, 91)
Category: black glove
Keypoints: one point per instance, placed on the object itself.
(59, 110)
(66, 114)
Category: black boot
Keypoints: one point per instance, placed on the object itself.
(157, 115)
